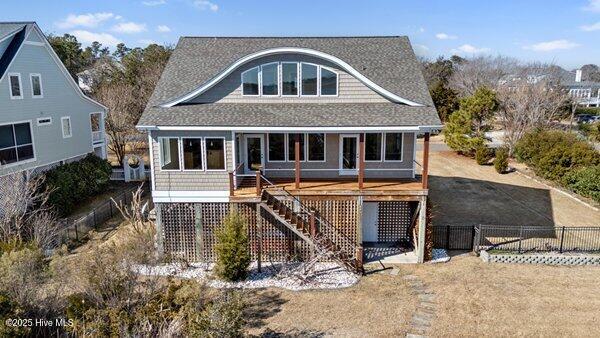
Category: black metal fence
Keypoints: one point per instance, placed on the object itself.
(453, 237)
(537, 238)
(98, 216)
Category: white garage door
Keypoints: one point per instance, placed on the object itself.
(369, 221)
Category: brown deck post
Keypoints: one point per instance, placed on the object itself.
(425, 174)
(313, 225)
(361, 160)
(258, 183)
(359, 258)
(297, 160)
(231, 185)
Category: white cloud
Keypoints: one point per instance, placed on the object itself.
(551, 45)
(87, 37)
(469, 49)
(444, 36)
(163, 29)
(146, 41)
(420, 49)
(422, 29)
(591, 28)
(593, 6)
(129, 27)
(154, 2)
(84, 20)
(205, 4)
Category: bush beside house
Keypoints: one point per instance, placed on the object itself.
(233, 254)
(76, 181)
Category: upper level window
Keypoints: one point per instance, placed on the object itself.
(309, 79)
(66, 127)
(270, 79)
(289, 78)
(16, 143)
(393, 146)
(328, 82)
(36, 85)
(169, 153)
(14, 81)
(250, 82)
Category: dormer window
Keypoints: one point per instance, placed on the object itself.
(289, 79)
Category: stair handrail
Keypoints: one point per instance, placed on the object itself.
(321, 221)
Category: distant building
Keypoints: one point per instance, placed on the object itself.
(586, 93)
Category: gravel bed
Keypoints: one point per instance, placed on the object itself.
(278, 275)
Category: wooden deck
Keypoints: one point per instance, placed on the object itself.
(372, 189)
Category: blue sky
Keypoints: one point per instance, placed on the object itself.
(563, 32)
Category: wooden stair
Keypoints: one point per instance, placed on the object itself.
(300, 223)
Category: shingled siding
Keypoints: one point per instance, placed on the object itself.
(191, 180)
(330, 168)
(351, 90)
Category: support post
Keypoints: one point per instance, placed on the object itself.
(297, 161)
(258, 183)
(422, 229)
(231, 184)
(313, 224)
(260, 235)
(425, 174)
(359, 258)
(159, 232)
(361, 160)
(562, 239)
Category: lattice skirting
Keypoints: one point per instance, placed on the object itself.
(541, 259)
(394, 219)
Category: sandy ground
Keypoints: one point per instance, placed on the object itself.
(477, 299)
(378, 306)
(463, 192)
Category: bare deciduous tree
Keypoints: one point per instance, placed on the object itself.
(482, 71)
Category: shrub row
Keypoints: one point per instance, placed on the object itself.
(76, 181)
(561, 157)
(587, 110)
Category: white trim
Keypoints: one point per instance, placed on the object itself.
(30, 160)
(282, 50)
(414, 155)
(160, 164)
(257, 81)
(245, 151)
(151, 151)
(202, 152)
(62, 127)
(285, 148)
(283, 129)
(41, 96)
(190, 196)
(40, 124)
(347, 172)
(206, 153)
(337, 169)
(337, 82)
(297, 78)
(10, 92)
(380, 149)
(306, 137)
(401, 148)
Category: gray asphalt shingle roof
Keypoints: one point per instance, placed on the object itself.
(6, 28)
(387, 61)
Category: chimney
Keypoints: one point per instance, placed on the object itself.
(578, 75)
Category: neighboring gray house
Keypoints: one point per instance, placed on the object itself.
(312, 139)
(586, 93)
(45, 119)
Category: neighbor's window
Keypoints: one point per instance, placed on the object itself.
(66, 127)
(373, 147)
(16, 143)
(169, 153)
(316, 147)
(393, 146)
(36, 85)
(289, 78)
(292, 147)
(309, 79)
(250, 82)
(270, 79)
(44, 121)
(328, 82)
(276, 147)
(192, 153)
(215, 154)
(14, 80)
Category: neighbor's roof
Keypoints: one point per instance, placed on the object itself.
(387, 61)
(8, 28)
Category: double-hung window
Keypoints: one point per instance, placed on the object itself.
(276, 147)
(192, 154)
(16, 143)
(373, 147)
(14, 83)
(393, 146)
(36, 85)
(66, 127)
(316, 147)
(215, 153)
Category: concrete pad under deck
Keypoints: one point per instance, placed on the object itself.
(386, 253)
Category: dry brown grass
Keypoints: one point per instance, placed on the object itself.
(378, 306)
(476, 299)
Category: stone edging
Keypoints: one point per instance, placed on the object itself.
(421, 320)
(556, 259)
